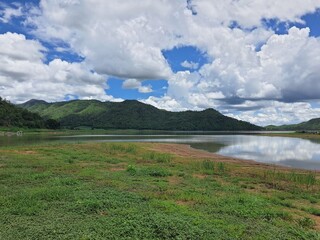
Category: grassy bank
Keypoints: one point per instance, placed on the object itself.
(135, 191)
(83, 131)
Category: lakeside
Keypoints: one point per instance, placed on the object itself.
(151, 191)
(294, 135)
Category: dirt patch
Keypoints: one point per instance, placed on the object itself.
(25, 152)
(186, 151)
(103, 213)
(28, 152)
(182, 150)
(173, 180)
(185, 203)
(200, 176)
(317, 221)
(87, 164)
(298, 214)
(117, 169)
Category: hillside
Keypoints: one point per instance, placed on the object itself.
(133, 114)
(313, 124)
(13, 116)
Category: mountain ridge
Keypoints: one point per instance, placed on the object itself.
(311, 125)
(15, 116)
(132, 114)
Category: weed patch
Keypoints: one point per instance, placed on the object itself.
(157, 157)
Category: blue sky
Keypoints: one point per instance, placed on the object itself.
(174, 55)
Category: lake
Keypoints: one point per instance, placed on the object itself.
(285, 151)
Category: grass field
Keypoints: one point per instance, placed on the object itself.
(133, 191)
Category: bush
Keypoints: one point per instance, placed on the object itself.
(132, 170)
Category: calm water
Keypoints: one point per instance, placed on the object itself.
(292, 152)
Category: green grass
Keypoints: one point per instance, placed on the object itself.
(158, 157)
(308, 179)
(127, 191)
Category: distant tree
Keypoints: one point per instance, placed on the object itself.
(52, 124)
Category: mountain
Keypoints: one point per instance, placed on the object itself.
(132, 114)
(313, 124)
(14, 116)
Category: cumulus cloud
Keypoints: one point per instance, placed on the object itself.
(166, 103)
(126, 39)
(123, 39)
(248, 65)
(23, 75)
(136, 84)
(286, 69)
(190, 65)
(248, 13)
(257, 86)
(278, 113)
(291, 64)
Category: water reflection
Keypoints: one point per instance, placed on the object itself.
(291, 152)
(274, 149)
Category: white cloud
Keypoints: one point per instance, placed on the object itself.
(15, 46)
(286, 68)
(126, 39)
(23, 75)
(248, 13)
(166, 103)
(7, 13)
(278, 113)
(191, 65)
(136, 84)
(291, 64)
(122, 39)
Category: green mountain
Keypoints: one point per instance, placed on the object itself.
(13, 116)
(313, 124)
(133, 114)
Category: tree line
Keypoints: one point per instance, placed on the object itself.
(13, 116)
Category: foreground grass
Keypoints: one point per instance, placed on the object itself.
(129, 191)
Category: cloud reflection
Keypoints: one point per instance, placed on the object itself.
(292, 152)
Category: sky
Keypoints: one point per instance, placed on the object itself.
(254, 60)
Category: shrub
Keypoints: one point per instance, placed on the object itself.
(132, 170)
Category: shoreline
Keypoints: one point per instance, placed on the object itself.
(294, 135)
(186, 150)
(203, 153)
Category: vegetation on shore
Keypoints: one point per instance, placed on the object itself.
(12, 116)
(133, 191)
(313, 124)
(133, 114)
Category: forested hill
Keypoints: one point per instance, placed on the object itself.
(13, 116)
(313, 124)
(133, 114)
